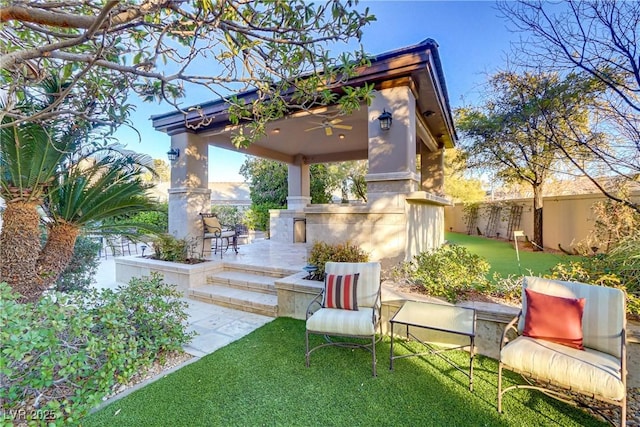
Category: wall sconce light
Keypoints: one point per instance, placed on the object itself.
(173, 154)
(385, 120)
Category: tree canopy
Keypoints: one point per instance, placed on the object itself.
(105, 49)
(524, 120)
(457, 186)
(600, 39)
(269, 185)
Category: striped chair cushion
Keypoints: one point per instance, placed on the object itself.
(342, 322)
(604, 311)
(340, 291)
(588, 371)
(368, 282)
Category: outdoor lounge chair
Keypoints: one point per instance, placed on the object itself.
(220, 234)
(347, 311)
(557, 320)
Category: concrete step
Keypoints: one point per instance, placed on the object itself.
(244, 281)
(253, 302)
(258, 270)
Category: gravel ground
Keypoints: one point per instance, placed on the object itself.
(633, 408)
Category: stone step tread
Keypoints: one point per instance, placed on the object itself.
(243, 297)
(235, 276)
(261, 310)
(257, 271)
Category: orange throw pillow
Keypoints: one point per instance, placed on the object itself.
(554, 319)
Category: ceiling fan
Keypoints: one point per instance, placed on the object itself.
(329, 125)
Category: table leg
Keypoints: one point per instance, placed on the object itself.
(391, 360)
(471, 355)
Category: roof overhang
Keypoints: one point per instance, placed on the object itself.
(416, 66)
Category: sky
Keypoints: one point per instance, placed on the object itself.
(473, 43)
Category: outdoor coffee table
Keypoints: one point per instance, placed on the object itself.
(438, 317)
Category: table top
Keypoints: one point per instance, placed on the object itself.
(442, 317)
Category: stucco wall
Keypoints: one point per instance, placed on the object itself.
(380, 233)
(566, 219)
(389, 235)
(424, 228)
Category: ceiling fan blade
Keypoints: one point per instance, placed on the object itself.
(335, 121)
(328, 131)
(347, 127)
(313, 128)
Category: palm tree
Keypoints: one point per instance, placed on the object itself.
(84, 196)
(45, 161)
(30, 156)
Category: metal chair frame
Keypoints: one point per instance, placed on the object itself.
(218, 234)
(316, 304)
(562, 392)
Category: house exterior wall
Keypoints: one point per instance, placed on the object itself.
(424, 228)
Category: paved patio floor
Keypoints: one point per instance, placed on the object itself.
(218, 326)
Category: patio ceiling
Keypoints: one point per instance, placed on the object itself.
(290, 139)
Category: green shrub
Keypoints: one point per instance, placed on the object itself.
(169, 248)
(508, 288)
(158, 219)
(322, 252)
(450, 271)
(619, 268)
(227, 215)
(257, 217)
(66, 352)
(155, 312)
(152, 222)
(79, 274)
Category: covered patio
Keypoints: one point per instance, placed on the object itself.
(404, 213)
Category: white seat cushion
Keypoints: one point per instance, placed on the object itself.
(586, 371)
(343, 322)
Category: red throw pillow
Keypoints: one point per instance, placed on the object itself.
(554, 319)
(340, 291)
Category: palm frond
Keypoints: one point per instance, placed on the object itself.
(103, 190)
(30, 156)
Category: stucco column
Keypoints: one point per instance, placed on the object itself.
(189, 193)
(299, 183)
(432, 170)
(392, 153)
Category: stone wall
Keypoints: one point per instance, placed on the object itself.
(281, 224)
(183, 276)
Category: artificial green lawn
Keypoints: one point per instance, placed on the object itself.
(502, 255)
(261, 379)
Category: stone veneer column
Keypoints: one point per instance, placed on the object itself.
(189, 193)
(392, 153)
(299, 183)
(432, 170)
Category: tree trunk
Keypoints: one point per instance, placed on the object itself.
(57, 252)
(537, 218)
(19, 249)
